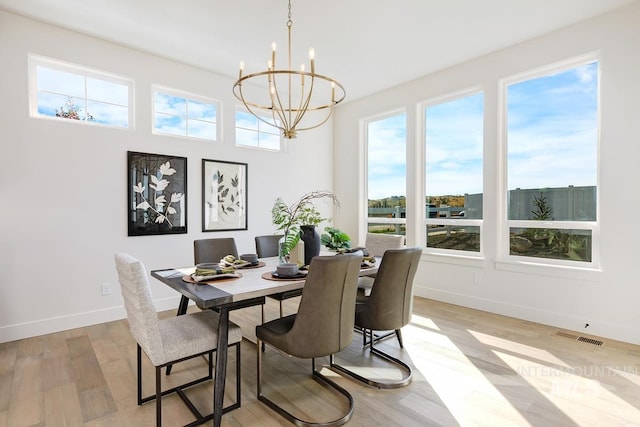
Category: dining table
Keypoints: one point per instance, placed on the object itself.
(246, 287)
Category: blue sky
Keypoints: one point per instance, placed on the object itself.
(552, 139)
(107, 100)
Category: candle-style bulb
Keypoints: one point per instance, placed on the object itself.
(273, 55)
(312, 55)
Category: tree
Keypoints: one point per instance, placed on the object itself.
(71, 111)
(543, 211)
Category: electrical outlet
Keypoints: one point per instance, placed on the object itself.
(477, 279)
(106, 289)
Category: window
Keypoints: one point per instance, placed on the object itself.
(387, 174)
(453, 173)
(252, 132)
(180, 114)
(70, 92)
(552, 164)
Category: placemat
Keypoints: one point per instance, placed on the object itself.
(296, 278)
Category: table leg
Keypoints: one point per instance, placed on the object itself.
(221, 365)
(182, 307)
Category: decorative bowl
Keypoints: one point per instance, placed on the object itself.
(287, 269)
(251, 258)
(208, 266)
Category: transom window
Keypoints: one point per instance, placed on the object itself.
(70, 92)
(182, 114)
(252, 132)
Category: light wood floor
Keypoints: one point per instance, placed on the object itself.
(471, 369)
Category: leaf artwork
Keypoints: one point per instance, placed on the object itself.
(157, 202)
(228, 197)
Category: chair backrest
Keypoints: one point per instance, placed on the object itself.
(377, 243)
(213, 250)
(141, 312)
(325, 319)
(391, 301)
(267, 246)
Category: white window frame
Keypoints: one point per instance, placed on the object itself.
(282, 143)
(365, 203)
(445, 221)
(36, 60)
(187, 96)
(556, 267)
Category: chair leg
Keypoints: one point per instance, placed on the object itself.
(158, 397)
(179, 390)
(376, 338)
(317, 376)
(262, 323)
(139, 369)
(399, 335)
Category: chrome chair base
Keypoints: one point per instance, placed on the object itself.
(374, 351)
(377, 338)
(316, 375)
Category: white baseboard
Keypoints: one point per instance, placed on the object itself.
(77, 320)
(559, 320)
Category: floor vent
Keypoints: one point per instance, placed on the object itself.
(579, 338)
(590, 341)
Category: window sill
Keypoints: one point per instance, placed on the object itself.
(591, 274)
(446, 258)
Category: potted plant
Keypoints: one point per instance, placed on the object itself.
(336, 239)
(290, 219)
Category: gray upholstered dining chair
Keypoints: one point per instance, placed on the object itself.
(213, 250)
(322, 326)
(171, 340)
(267, 246)
(388, 308)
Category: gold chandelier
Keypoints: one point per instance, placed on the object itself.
(290, 95)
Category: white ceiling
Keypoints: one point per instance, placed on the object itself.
(367, 45)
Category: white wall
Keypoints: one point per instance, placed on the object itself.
(606, 299)
(63, 185)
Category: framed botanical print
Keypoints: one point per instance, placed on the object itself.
(157, 194)
(224, 195)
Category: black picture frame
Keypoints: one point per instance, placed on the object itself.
(157, 194)
(224, 195)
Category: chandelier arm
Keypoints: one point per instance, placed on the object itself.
(249, 105)
(280, 110)
(304, 103)
(330, 113)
